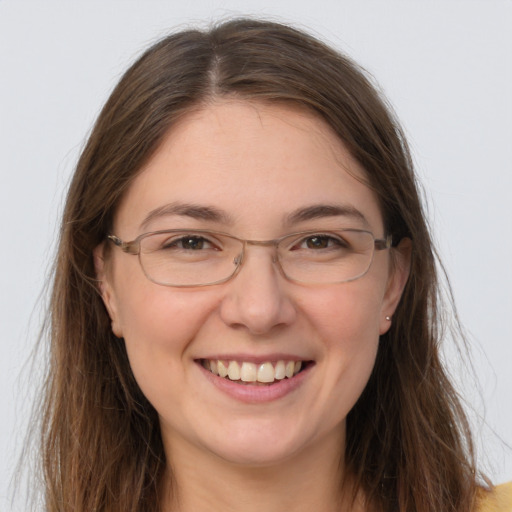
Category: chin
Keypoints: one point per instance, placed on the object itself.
(259, 445)
(254, 455)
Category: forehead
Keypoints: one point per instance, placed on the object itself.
(255, 162)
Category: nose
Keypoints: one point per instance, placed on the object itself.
(256, 298)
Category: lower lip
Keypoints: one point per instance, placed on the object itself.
(257, 393)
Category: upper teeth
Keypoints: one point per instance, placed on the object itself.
(252, 372)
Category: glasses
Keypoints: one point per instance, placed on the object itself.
(187, 258)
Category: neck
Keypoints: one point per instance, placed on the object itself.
(312, 480)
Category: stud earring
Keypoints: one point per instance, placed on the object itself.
(388, 318)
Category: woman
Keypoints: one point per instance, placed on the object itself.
(245, 305)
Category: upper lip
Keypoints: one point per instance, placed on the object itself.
(256, 359)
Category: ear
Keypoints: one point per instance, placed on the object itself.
(399, 273)
(105, 288)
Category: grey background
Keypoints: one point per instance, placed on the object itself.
(446, 67)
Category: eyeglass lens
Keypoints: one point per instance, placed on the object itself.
(185, 258)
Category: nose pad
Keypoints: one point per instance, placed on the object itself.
(237, 260)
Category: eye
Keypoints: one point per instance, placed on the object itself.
(321, 241)
(189, 243)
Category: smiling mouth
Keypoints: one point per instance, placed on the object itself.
(243, 372)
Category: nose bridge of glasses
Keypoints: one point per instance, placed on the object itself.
(240, 258)
(262, 243)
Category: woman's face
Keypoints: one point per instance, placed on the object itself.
(257, 172)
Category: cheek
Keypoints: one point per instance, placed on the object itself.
(348, 314)
(351, 336)
(347, 321)
(158, 325)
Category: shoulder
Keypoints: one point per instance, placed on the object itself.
(499, 499)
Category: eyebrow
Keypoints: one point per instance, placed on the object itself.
(213, 214)
(194, 211)
(319, 211)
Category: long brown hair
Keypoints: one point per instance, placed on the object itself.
(408, 442)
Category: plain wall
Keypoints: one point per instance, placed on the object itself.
(446, 67)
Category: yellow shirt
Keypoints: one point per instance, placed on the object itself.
(499, 500)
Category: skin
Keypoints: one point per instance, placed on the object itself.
(257, 163)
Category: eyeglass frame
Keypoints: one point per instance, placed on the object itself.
(133, 248)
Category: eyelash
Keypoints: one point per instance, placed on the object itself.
(331, 240)
(175, 242)
(178, 243)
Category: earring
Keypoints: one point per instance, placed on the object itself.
(388, 318)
